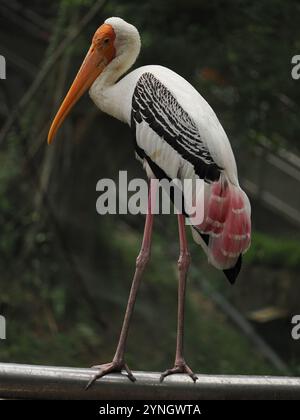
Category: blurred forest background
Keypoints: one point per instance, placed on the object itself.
(65, 272)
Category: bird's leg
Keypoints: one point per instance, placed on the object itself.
(118, 362)
(184, 260)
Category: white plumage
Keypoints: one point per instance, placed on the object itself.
(177, 134)
(115, 97)
(116, 100)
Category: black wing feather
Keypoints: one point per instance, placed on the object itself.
(153, 103)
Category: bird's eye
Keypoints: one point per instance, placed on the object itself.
(106, 41)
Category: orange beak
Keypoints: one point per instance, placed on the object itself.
(92, 66)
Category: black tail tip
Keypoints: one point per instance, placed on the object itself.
(232, 273)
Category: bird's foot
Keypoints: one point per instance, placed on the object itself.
(179, 367)
(113, 367)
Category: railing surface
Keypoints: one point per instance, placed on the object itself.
(46, 382)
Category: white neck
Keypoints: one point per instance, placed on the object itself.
(127, 44)
(119, 66)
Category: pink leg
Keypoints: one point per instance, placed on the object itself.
(118, 362)
(184, 260)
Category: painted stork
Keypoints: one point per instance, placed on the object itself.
(176, 135)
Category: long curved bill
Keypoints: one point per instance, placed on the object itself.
(92, 66)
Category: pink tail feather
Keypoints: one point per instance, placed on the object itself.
(227, 221)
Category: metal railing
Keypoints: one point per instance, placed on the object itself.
(46, 382)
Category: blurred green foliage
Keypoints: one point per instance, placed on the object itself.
(66, 272)
(274, 252)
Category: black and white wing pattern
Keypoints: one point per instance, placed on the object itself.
(155, 107)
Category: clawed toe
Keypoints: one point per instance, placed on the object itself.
(113, 367)
(179, 368)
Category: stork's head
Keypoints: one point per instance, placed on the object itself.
(115, 47)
